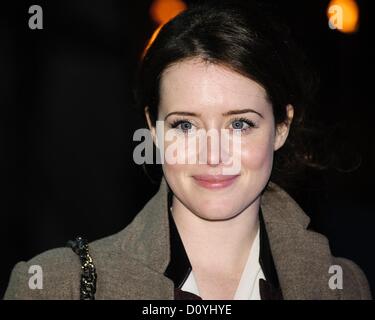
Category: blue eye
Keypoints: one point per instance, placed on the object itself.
(183, 125)
(186, 126)
(238, 124)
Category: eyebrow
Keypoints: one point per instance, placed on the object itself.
(228, 113)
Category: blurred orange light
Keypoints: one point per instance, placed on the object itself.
(162, 11)
(343, 15)
(153, 37)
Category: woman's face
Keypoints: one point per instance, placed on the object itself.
(203, 97)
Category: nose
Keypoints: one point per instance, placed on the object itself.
(217, 148)
(213, 151)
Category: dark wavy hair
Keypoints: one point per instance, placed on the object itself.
(254, 43)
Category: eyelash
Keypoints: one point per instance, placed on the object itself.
(250, 124)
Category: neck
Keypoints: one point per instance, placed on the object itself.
(223, 244)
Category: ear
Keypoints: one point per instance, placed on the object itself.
(282, 130)
(150, 126)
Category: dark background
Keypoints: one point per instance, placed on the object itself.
(67, 121)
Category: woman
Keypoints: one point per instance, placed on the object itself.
(214, 230)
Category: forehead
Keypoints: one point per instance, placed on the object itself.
(196, 84)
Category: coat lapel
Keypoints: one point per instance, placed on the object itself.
(301, 257)
(145, 251)
(147, 237)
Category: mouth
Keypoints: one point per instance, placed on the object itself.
(215, 181)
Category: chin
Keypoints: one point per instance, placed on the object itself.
(216, 213)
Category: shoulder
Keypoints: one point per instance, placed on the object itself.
(345, 277)
(354, 282)
(55, 274)
(297, 249)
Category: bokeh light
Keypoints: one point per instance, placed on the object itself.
(161, 11)
(343, 15)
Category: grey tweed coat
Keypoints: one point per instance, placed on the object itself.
(131, 263)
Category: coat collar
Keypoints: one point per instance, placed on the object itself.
(301, 257)
(179, 265)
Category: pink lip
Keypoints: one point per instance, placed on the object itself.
(215, 181)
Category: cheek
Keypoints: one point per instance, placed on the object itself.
(175, 162)
(177, 177)
(257, 154)
(174, 170)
